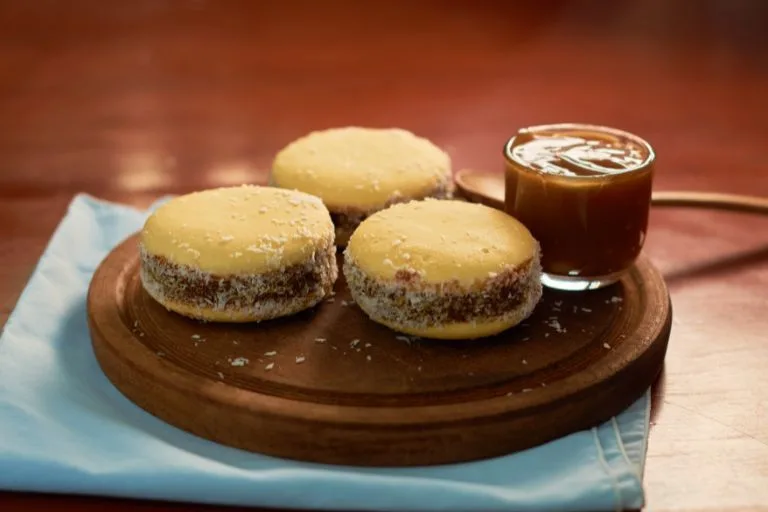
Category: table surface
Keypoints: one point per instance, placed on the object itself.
(131, 100)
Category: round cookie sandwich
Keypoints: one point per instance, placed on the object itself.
(239, 254)
(444, 269)
(358, 171)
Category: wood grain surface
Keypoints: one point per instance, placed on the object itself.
(131, 100)
(329, 385)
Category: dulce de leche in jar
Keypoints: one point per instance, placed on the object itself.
(584, 192)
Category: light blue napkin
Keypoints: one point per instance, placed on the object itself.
(64, 428)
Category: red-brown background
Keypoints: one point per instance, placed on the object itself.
(130, 100)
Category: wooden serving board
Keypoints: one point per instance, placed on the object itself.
(385, 399)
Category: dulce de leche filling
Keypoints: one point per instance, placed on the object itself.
(258, 296)
(406, 301)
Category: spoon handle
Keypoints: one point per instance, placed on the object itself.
(488, 189)
(733, 202)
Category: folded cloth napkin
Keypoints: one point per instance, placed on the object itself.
(65, 429)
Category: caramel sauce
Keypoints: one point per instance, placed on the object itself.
(576, 154)
(584, 192)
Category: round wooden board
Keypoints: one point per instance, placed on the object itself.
(343, 390)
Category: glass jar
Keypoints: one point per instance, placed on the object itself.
(584, 192)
